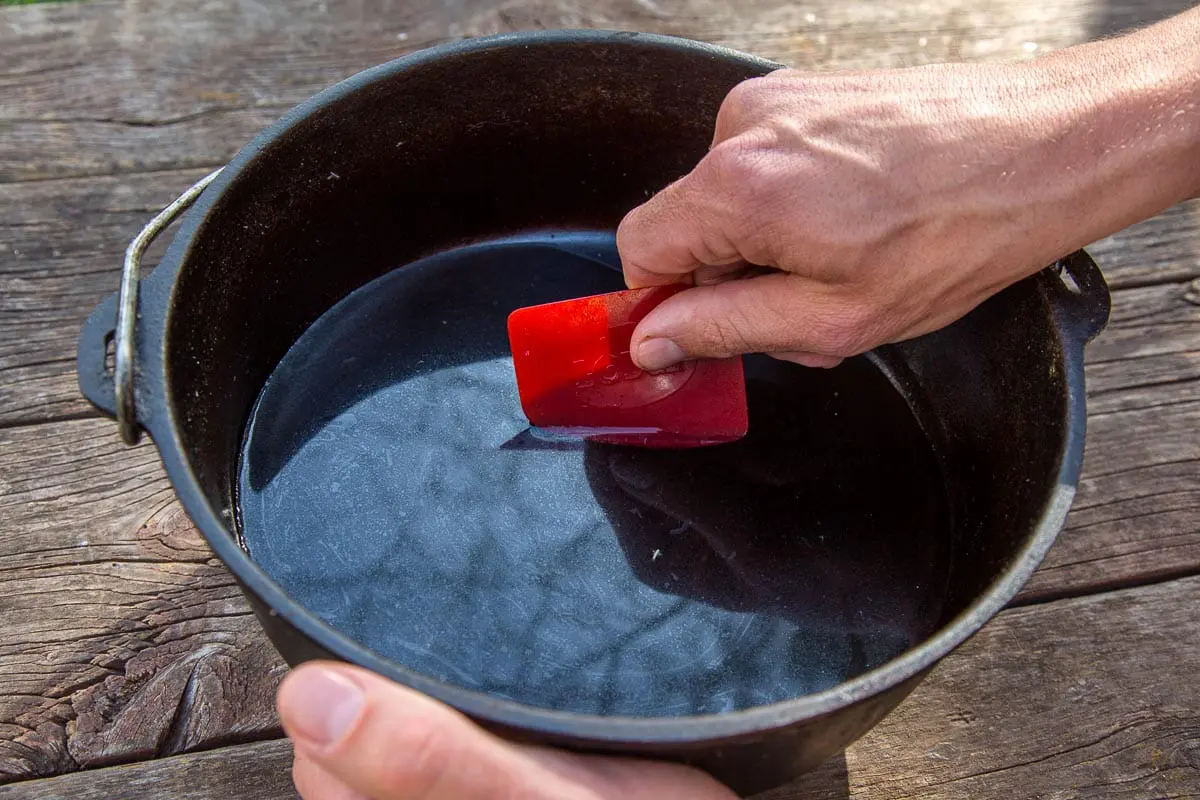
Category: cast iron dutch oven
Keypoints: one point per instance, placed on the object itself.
(489, 138)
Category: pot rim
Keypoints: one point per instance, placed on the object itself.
(218, 528)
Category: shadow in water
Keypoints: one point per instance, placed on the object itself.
(822, 515)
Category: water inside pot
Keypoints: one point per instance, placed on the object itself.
(390, 484)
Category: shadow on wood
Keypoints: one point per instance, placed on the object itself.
(830, 781)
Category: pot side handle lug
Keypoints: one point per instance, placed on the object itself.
(92, 363)
(1080, 296)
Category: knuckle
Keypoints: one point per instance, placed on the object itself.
(741, 165)
(742, 328)
(630, 245)
(750, 184)
(739, 105)
(634, 229)
(627, 231)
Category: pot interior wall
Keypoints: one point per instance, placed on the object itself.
(491, 142)
(994, 389)
(464, 148)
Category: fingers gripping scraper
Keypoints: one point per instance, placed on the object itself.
(576, 378)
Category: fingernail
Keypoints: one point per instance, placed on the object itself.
(654, 354)
(326, 707)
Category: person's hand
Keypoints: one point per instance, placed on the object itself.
(890, 203)
(358, 736)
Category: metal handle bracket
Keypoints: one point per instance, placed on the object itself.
(127, 307)
(1083, 302)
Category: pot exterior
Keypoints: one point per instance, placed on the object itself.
(746, 764)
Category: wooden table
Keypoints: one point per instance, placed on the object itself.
(125, 647)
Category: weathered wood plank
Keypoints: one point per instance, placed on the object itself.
(1074, 699)
(61, 245)
(1158, 250)
(255, 771)
(184, 89)
(124, 637)
(1141, 379)
(1137, 515)
(1081, 698)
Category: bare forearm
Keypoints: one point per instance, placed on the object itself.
(1123, 139)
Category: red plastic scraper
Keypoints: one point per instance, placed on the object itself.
(576, 378)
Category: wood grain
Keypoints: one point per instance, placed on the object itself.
(161, 107)
(1078, 699)
(1136, 517)
(1141, 374)
(185, 88)
(182, 91)
(255, 771)
(61, 246)
(124, 637)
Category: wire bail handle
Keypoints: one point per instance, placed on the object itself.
(127, 306)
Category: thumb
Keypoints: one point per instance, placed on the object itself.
(799, 318)
(388, 742)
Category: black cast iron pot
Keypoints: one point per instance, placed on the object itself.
(488, 138)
